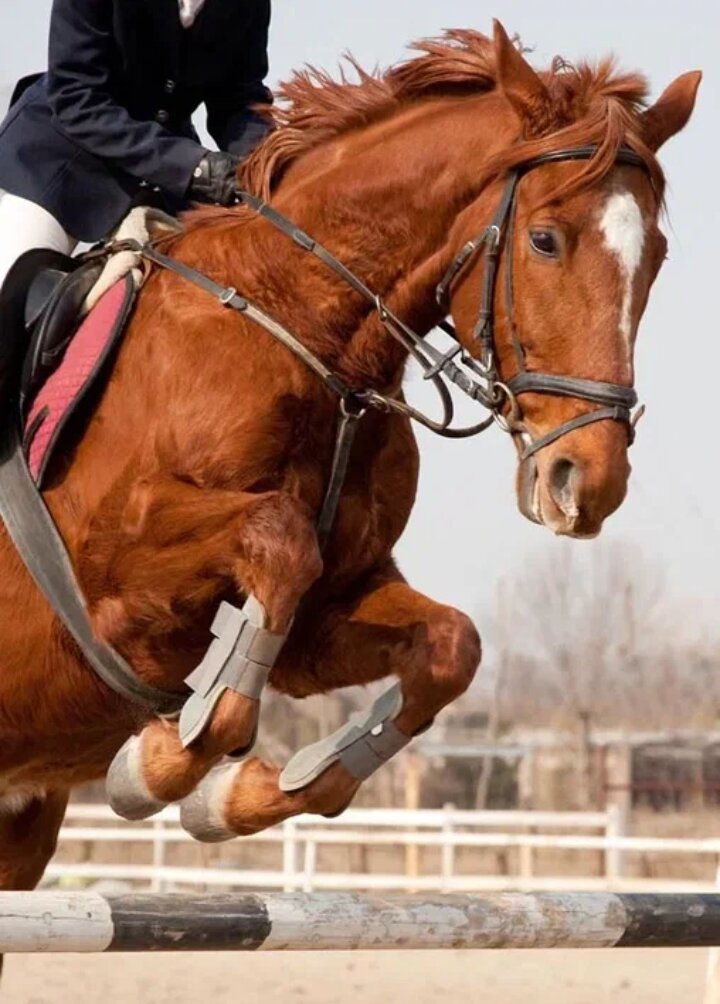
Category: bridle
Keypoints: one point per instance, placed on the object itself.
(478, 378)
(35, 535)
(617, 400)
(38, 540)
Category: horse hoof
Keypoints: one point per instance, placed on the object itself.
(127, 792)
(202, 813)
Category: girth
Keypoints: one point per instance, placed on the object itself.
(33, 529)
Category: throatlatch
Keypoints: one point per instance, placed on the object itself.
(362, 745)
(240, 659)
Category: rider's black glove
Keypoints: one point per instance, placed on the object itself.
(215, 179)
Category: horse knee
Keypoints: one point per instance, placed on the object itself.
(28, 839)
(457, 652)
(280, 548)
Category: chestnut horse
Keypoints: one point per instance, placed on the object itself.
(202, 471)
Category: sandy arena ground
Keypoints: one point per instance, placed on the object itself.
(651, 976)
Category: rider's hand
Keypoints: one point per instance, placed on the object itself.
(215, 179)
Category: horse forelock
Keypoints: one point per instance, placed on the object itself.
(588, 103)
(591, 104)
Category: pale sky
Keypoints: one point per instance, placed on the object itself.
(466, 531)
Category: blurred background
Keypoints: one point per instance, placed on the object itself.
(600, 684)
(588, 753)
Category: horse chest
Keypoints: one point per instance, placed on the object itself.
(378, 494)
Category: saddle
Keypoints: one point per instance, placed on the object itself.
(52, 353)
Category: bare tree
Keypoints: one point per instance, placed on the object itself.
(596, 640)
(501, 630)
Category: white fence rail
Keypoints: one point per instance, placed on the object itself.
(449, 830)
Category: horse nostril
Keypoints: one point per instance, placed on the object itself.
(562, 482)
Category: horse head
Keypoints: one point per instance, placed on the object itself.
(581, 249)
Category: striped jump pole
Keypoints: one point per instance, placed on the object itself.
(90, 922)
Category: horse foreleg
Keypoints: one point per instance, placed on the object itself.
(391, 629)
(260, 544)
(28, 837)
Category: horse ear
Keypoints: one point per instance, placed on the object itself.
(518, 81)
(671, 111)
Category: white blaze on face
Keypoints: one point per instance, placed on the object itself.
(622, 227)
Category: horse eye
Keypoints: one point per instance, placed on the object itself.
(544, 242)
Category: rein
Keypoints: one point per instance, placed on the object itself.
(483, 384)
(352, 407)
(39, 543)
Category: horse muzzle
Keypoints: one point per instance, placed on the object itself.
(572, 492)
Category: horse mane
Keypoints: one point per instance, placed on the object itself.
(589, 103)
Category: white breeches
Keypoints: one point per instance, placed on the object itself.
(24, 226)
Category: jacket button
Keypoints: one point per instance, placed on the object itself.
(162, 116)
(170, 86)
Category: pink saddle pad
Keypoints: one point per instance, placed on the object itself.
(84, 364)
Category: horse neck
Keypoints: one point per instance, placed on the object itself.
(383, 201)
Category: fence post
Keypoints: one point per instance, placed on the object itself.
(290, 836)
(447, 859)
(309, 865)
(712, 980)
(157, 883)
(412, 802)
(526, 855)
(616, 826)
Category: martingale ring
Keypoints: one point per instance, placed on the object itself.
(508, 423)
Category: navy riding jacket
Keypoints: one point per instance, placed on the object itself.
(112, 114)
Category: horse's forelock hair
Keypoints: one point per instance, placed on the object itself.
(592, 104)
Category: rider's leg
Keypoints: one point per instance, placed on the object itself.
(24, 226)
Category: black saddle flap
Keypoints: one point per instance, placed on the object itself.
(39, 293)
(13, 300)
(56, 321)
